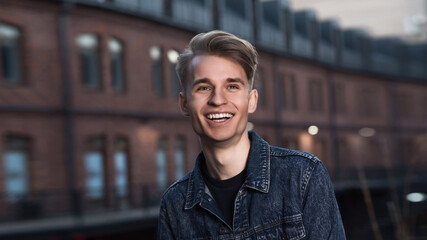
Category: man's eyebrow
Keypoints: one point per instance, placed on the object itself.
(207, 81)
(235, 80)
(200, 81)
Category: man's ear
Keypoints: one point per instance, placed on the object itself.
(183, 103)
(253, 101)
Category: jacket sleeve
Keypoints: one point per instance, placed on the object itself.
(321, 216)
(164, 230)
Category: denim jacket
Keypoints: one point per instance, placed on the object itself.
(287, 194)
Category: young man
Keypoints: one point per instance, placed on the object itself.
(240, 187)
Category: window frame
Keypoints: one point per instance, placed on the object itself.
(98, 86)
(157, 74)
(126, 150)
(102, 151)
(28, 152)
(22, 79)
(122, 57)
(183, 148)
(162, 170)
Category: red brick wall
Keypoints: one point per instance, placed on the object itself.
(135, 113)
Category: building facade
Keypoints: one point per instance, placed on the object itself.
(90, 122)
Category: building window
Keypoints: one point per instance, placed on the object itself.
(259, 86)
(156, 58)
(200, 2)
(173, 59)
(340, 99)
(179, 156)
(315, 93)
(326, 34)
(367, 102)
(302, 23)
(270, 12)
(238, 7)
(89, 60)
(121, 161)
(16, 165)
(94, 167)
(350, 41)
(161, 164)
(288, 94)
(10, 61)
(116, 54)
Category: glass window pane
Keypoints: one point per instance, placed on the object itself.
(238, 7)
(94, 174)
(156, 57)
(10, 53)
(270, 11)
(116, 52)
(120, 161)
(173, 59)
(89, 58)
(10, 61)
(179, 156)
(8, 32)
(161, 164)
(15, 165)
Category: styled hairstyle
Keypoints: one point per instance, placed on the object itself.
(217, 43)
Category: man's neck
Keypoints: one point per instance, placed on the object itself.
(226, 160)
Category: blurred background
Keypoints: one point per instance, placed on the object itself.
(91, 133)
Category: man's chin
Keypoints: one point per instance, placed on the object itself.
(223, 137)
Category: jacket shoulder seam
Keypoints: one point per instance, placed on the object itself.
(284, 152)
(176, 183)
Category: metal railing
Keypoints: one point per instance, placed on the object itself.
(61, 202)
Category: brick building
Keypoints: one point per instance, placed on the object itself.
(90, 122)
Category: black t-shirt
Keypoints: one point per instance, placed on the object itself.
(224, 191)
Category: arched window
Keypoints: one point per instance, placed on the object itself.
(238, 7)
(16, 168)
(89, 60)
(179, 156)
(173, 59)
(116, 55)
(121, 161)
(94, 167)
(10, 59)
(162, 177)
(157, 73)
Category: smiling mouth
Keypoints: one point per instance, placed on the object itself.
(219, 117)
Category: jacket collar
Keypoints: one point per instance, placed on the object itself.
(258, 172)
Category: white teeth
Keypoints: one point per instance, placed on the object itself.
(216, 116)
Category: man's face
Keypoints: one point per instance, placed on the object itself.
(218, 98)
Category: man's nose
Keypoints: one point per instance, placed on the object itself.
(218, 97)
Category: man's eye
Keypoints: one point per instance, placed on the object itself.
(233, 87)
(203, 88)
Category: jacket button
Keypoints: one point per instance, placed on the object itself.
(222, 230)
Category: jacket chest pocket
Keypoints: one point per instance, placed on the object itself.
(289, 228)
(294, 227)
